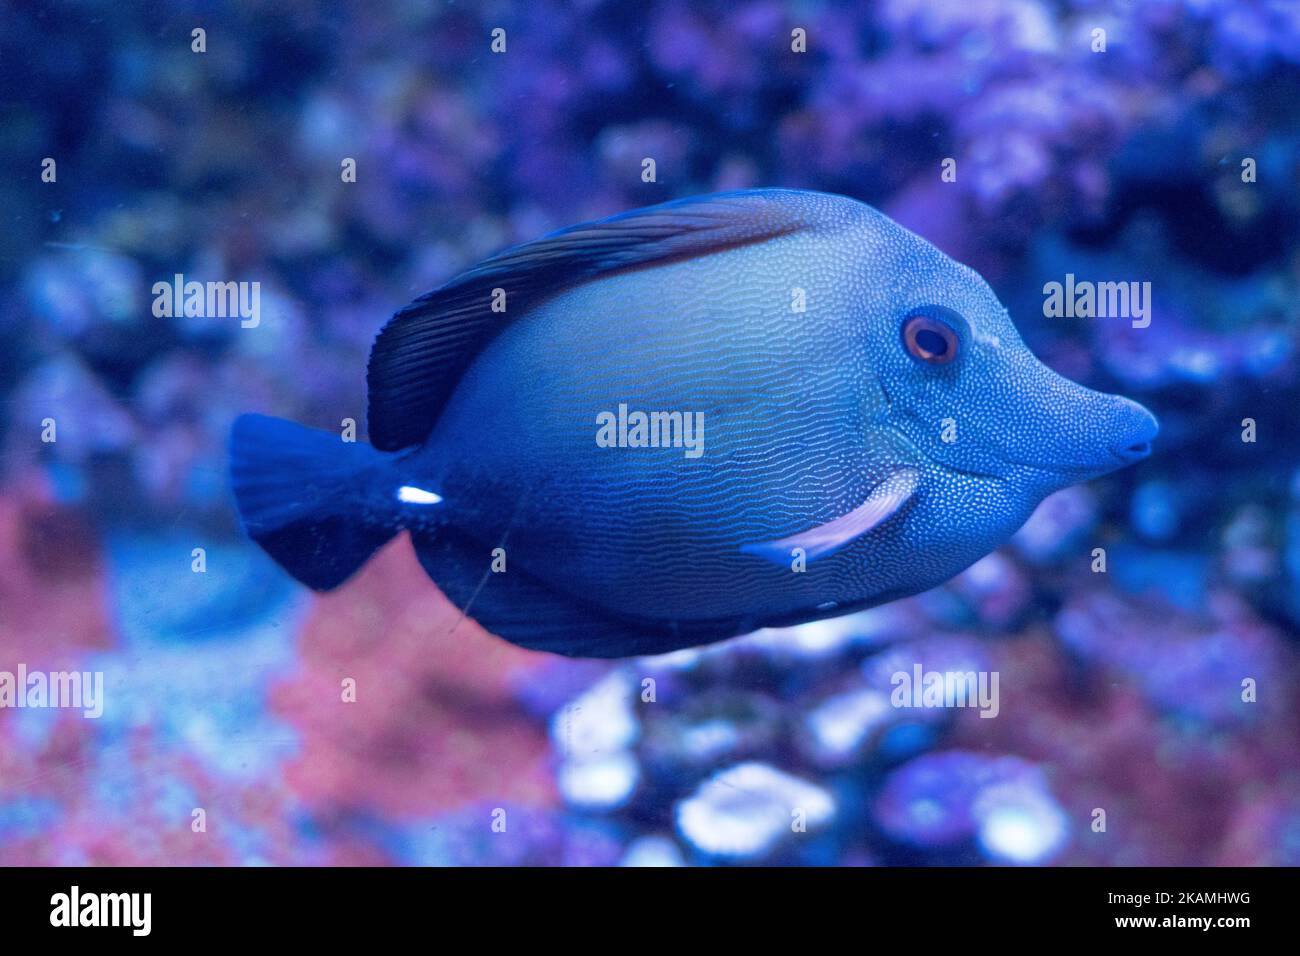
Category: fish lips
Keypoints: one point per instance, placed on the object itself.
(1137, 444)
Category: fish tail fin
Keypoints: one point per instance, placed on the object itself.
(308, 497)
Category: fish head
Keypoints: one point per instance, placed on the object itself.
(961, 387)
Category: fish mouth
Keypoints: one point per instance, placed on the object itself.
(1137, 445)
(1134, 452)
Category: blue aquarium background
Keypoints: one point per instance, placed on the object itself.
(1148, 712)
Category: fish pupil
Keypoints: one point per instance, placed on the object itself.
(931, 342)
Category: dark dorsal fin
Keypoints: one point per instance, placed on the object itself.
(420, 355)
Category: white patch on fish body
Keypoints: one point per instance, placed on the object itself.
(417, 496)
(883, 502)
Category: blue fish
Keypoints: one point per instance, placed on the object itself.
(686, 422)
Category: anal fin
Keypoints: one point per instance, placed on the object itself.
(524, 610)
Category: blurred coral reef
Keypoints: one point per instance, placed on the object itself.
(1120, 691)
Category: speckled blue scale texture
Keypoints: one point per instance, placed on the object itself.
(805, 413)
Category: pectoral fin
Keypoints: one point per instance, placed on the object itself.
(885, 499)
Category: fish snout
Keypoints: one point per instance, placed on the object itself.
(1137, 430)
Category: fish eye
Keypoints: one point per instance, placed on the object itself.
(929, 338)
